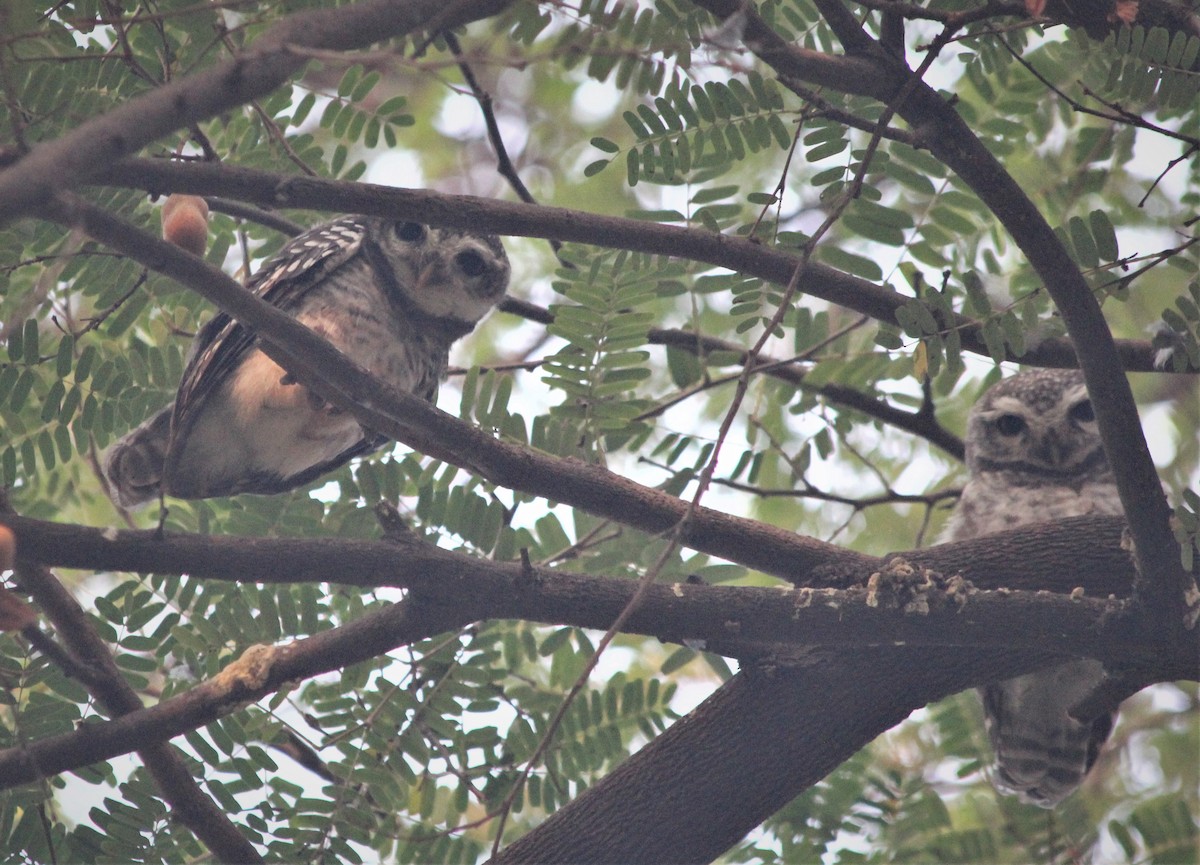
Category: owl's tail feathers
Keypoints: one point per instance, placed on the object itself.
(1044, 772)
(134, 465)
(1042, 753)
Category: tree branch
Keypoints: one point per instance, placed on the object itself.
(900, 599)
(258, 672)
(761, 739)
(526, 220)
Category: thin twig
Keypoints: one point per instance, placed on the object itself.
(251, 213)
(1119, 115)
(504, 163)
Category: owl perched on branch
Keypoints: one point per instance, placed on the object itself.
(1035, 455)
(392, 296)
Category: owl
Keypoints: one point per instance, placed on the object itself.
(1034, 455)
(393, 296)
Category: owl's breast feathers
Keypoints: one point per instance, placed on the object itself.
(995, 501)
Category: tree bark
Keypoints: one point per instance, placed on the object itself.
(756, 743)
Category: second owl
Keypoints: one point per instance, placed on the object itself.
(1035, 455)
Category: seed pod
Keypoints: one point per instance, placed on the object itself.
(185, 223)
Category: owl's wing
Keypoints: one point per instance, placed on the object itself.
(283, 282)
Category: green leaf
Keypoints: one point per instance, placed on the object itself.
(636, 124)
(594, 168)
(850, 262)
(65, 356)
(21, 389)
(349, 80)
(1104, 234)
(16, 344)
(678, 659)
(30, 342)
(1081, 239)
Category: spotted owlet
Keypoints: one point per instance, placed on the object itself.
(1035, 455)
(390, 295)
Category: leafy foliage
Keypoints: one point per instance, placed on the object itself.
(418, 748)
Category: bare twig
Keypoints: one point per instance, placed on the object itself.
(255, 214)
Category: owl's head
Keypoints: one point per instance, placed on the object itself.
(445, 273)
(1039, 423)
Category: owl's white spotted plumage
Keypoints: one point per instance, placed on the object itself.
(392, 296)
(1034, 455)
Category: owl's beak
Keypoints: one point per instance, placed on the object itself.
(427, 275)
(1048, 450)
(492, 288)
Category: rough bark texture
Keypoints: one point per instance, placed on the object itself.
(760, 740)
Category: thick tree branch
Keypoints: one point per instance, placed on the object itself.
(92, 146)
(760, 740)
(1029, 558)
(517, 218)
(903, 599)
(854, 39)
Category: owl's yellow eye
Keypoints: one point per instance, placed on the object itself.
(1010, 425)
